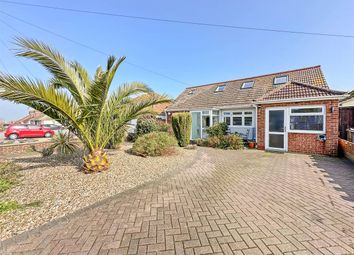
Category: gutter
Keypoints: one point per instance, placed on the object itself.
(213, 108)
(304, 99)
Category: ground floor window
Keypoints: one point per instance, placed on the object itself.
(227, 118)
(239, 118)
(308, 119)
(215, 116)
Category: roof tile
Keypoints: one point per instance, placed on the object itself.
(205, 97)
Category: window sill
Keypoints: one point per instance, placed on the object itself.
(307, 132)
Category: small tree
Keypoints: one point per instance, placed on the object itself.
(182, 125)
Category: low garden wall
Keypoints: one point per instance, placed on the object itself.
(347, 148)
(21, 148)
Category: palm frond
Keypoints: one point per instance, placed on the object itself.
(42, 97)
(55, 63)
(129, 111)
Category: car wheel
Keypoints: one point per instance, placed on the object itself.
(13, 136)
(47, 135)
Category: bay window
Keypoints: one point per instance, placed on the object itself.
(307, 119)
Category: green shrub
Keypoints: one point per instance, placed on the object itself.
(148, 123)
(226, 142)
(231, 142)
(218, 130)
(117, 139)
(154, 144)
(201, 142)
(164, 127)
(182, 125)
(213, 141)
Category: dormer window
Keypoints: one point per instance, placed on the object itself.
(220, 88)
(280, 80)
(247, 85)
(191, 92)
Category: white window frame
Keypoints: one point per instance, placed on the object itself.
(242, 115)
(227, 115)
(280, 76)
(218, 88)
(247, 82)
(323, 113)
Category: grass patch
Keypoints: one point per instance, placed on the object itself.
(6, 206)
(9, 206)
(5, 185)
(8, 175)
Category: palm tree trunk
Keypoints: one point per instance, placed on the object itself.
(96, 161)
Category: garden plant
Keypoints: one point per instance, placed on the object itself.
(182, 125)
(83, 104)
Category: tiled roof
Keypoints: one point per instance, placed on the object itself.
(294, 90)
(32, 115)
(199, 97)
(158, 108)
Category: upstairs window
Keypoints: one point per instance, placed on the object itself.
(280, 80)
(220, 88)
(247, 85)
(191, 92)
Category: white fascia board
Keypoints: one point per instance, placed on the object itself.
(304, 99)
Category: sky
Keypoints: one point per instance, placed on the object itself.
(191, 54)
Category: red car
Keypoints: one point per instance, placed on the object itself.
(27, 131)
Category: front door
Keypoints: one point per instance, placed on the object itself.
(276, 135)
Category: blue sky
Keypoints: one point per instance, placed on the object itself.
(192, 54)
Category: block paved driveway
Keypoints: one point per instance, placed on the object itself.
(226, 202)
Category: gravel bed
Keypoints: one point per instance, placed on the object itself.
(60, 188)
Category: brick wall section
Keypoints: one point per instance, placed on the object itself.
(305, 143)
(21, 148)
(347, 148)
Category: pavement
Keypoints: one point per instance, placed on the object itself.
(227, 202)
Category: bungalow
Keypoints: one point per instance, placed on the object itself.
(291, 111)
(36, 118)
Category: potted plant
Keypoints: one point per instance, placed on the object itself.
(251, 144)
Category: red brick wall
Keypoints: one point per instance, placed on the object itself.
(347, 148)
(22, 148)
(19, 148)
(305, 143)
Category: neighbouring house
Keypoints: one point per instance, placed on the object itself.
(159, 110)
(346, 116)
(293, 111)
(36, 118)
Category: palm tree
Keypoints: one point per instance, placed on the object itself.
(85, 105)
